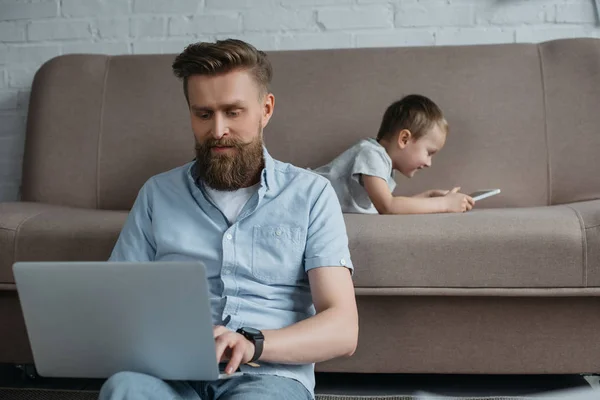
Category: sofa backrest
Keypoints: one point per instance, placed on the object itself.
(523, 118)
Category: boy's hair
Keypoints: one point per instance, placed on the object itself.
(414, 112)
(207, 58)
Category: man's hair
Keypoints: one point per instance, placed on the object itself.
(414, 112)
(207, 58)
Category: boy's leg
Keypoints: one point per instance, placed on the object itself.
(134, 386)
(259, 387)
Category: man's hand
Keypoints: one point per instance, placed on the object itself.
(233, 347)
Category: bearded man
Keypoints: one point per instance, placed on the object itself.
(271, 236)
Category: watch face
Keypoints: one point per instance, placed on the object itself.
(252, 331)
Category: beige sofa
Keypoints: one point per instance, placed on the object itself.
(512, 288)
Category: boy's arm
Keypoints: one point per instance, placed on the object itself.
(436, 193)
(386, 203)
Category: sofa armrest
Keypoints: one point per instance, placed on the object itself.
(44, 232)
(588, 213)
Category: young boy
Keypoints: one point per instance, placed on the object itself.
(413, 129)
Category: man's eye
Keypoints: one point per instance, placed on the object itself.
(233, 113)
(203, 115)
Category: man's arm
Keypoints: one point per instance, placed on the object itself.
(136, 241)
(386, 203)
(333, 331)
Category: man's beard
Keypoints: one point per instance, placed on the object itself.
(230, 170)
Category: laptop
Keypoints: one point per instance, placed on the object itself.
(94, 319)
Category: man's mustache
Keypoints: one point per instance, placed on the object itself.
(209, 144)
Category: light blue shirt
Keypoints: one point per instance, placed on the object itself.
(345, 172)
(256, 267)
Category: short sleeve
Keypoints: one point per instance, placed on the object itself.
(373, 162)
(327, 240)
(136, 241)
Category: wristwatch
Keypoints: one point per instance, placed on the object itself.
(256, 337)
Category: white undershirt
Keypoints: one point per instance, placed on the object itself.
(231, 203)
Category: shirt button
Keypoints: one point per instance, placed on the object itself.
(226, 271)
(229, 237)
(278, 232)
(343, 261)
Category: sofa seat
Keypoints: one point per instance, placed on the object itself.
(540, 247)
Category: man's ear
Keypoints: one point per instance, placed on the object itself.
(403, 138)
(268, 107)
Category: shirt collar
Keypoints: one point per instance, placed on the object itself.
(267, 177)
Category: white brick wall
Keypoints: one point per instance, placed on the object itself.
(33, 31)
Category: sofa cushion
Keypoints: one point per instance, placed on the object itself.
(42, 232)
(556, 246)
(496, 248)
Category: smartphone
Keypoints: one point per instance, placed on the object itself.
(484, 194)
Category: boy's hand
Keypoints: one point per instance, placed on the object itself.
(458, 202)
(439, 192)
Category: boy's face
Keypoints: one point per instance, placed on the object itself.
(411, 155)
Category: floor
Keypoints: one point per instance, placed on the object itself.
(367, 384)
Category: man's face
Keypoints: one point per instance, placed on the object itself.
(228, 113)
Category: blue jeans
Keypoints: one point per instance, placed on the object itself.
(134, 386)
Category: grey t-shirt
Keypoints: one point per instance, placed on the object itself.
(366, 157)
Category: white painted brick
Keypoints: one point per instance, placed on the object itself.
(434, 15)
(166, 7)
(94, 8)
(264, 42)
(14, 9)
(23, 99)
(398, 38)
(148, 27)
(161, 46)
(110, 48)
(12, 146)
(28, 53)
(315, 41)
(21, 75)
(542, 34)
(11, 167)
(9, 193)
(112, 28)
(11, 159)
(576, 13)
(356, 18)
(11, 124)
(8, 99)
(382, 1)
(57, 30)
(12, 31)
(295, 3)
(237, 4)
(465, 36)
(204, 25)
(279, 20)
(516, 13)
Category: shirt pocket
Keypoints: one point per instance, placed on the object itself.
(277, 254)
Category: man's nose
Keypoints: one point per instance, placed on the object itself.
(219, 128)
